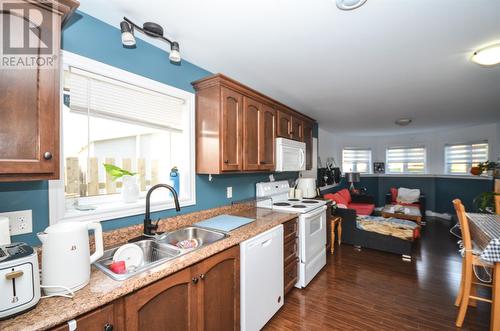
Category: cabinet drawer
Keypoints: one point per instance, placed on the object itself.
(290, 276)
(290, 230)
(290, 251)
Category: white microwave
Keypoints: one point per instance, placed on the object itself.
(290, 155)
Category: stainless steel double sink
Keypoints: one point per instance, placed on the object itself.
(161, 249)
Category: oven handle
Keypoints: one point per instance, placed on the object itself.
(314, 214)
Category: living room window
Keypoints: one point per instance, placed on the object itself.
(356, 160)
(113, 117)
(406, 160)
(459, 158)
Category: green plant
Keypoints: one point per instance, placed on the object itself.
(117, 172)
(485, 202)
(488, 165)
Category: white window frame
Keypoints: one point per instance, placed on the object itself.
(370, 164)
(114, 210)
(445, 170)
(387, 171)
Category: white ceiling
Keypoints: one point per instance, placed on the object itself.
(355, 72)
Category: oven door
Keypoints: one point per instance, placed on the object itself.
(312, 234)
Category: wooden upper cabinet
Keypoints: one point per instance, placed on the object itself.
(297, 132)
(308, 139)
(231, 130)
(219, 291)
(267, 135)
(252, 112)
(236, 127)
(284, 124)
(169, 304)
(30, 101)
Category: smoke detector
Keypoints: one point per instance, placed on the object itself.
(349, 4)
(403, 121)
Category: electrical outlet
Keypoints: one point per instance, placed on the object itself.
(20, 222)
(229, 192)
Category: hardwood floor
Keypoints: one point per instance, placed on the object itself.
(372, 290)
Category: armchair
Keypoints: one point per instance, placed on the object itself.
(390, 199)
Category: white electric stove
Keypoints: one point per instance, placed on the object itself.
(312, 225)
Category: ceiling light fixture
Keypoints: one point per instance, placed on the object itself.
(350, 4)
(403, 121)
(487, 56)
(151, 29)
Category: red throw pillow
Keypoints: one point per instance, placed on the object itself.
(336, 197)
(346, 195)
(394, 194)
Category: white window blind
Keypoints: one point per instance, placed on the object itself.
(356, 160)
(401, 160)
(459, 158)
(105, 97)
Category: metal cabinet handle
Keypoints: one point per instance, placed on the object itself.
(47, 155)
(202, 276)
(108, 327)
(195, 280)
(226, 161)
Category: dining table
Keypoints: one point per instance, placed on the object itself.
(485, 232)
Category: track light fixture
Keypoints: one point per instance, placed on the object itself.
(151, 29)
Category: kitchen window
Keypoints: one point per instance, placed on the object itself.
(356, 160)
(110, 116)
(406, 160)
(459, 158)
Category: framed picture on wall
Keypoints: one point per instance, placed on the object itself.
(378, 167)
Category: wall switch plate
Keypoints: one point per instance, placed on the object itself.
(229, 192)
(20, 222)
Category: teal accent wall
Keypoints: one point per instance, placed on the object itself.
(92, 38)
(439, 191)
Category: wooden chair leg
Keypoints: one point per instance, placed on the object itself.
(461, 288)
(339, 232)
(466, 293)
(332, 238)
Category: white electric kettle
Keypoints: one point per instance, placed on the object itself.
(66, 255)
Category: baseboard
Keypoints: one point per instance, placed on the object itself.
(445, 216)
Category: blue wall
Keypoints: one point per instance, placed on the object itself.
(439, 191)
(89, 37)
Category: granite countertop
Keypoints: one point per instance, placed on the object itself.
(102, 289)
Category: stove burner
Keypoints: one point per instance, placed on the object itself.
(298, 206)
(281, 204)
(309, 201)
(293, 200)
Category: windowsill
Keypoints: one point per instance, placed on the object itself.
(430, 176)
(119, 209)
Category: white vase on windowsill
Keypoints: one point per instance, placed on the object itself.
(130, 189)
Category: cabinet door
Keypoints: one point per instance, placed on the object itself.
(106, 318)
(219, 291)
(169, 304)
(284, 124)
(232, 133)
(267, 138)
(29, 113)
(251, 141)
(297, 129)
(308, 139)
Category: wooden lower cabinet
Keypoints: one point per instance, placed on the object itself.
(106, 318)
(290, 254)
(169, 304)
(204, 296)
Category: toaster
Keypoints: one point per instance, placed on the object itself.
(19, 279)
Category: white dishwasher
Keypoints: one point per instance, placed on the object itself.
(261, 282)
